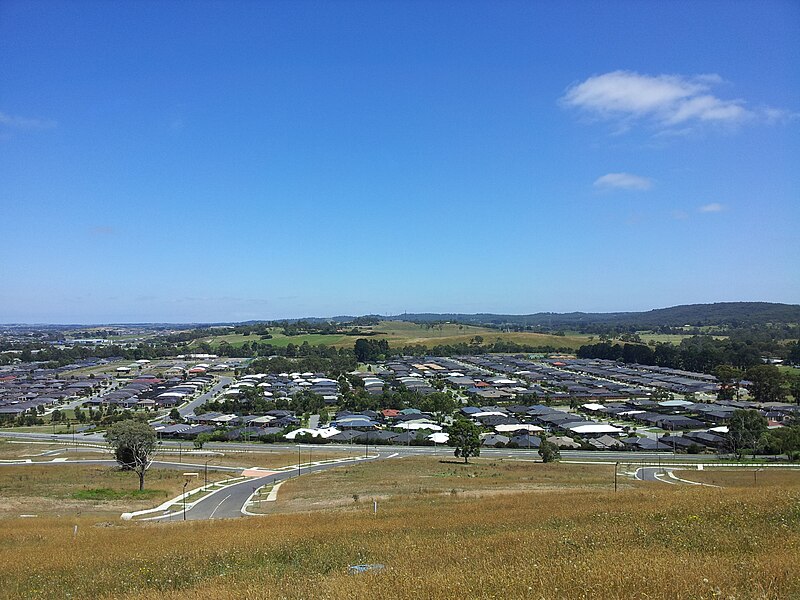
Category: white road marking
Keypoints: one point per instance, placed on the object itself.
(218, 505)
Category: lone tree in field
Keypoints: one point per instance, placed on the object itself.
(134, 444)
(549, 451)
(465, 438)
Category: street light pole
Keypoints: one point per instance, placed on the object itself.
(616, 464)
(184, 499)
(298, 460)
(205, 475)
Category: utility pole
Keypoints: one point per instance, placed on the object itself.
(616, 465)
(184, 499)
(298, 460)
(205, 475)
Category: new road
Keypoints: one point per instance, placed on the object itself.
(230, 501)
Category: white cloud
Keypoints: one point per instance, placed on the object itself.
(18, 122)
(666, 101)
(712, 208)
(623, 181)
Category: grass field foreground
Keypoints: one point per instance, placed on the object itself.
(647, 541)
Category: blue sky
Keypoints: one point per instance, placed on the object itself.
(225, 161)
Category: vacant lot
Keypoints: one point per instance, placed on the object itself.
(74, 489)
(566, 535)
(400, 333)
(413, 477)
(744, 477)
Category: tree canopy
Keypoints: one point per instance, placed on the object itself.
(465, 438)
(134, 444)
(766, 383)
(549, 451)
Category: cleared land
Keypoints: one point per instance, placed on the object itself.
(400, 333)
(565, 537)
(73, 489)
(671, 338)
(744, 477)
(412, 477)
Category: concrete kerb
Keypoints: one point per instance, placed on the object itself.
(223, 485)
(179, 499)
(273, 494)
(672, 475)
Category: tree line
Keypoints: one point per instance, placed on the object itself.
(702, 354)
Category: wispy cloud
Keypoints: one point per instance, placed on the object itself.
(666, 102)
(623, 181)
(714, 207)
(17, 122)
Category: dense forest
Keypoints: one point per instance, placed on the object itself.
(733, 315)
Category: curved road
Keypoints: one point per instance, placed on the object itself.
(229, 502)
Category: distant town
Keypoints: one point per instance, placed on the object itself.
(372, 381)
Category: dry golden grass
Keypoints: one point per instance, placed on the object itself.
(649, 541)
(10, 450)
(744, 477)
(429, 476)
(262, 455)
(56, 489)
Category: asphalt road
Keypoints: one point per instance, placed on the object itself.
(203, 398)
(229, 502)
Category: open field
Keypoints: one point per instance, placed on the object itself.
(10, 450)
(744, 477)
(647, 541)
(421, 476)
(400, 333)
(278, 339)
(671, 338)
(259, 455)
(73, 489)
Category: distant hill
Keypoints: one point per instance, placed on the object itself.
(733, 314)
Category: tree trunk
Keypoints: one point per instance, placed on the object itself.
(141, 480)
